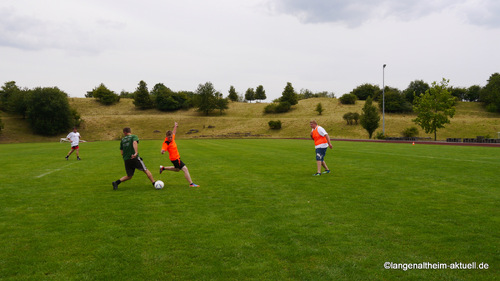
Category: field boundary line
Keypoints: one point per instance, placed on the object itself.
(54, 170)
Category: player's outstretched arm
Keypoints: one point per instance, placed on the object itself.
(174, 130)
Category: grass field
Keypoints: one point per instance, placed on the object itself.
(258, 215)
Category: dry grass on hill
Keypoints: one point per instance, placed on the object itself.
(246, 120)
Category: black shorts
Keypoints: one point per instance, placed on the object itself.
(132, 164)
(178, 164)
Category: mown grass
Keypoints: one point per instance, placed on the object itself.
(247, 119)
(258, 215)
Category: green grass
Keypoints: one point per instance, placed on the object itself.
(258, 215)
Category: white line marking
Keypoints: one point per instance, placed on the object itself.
(55, 170)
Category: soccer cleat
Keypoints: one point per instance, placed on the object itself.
(78, 158)
(115, 185)
(193, 185)
(317, 174)
(161, 169)
(67, 157)
(326, 172)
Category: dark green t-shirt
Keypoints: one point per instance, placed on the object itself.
(127, 146)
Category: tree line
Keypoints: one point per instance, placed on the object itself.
(49, 113)
(397, 101)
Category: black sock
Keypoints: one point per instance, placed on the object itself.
(118, 182)
(153, 183)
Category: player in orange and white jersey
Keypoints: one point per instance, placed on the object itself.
(321, 143)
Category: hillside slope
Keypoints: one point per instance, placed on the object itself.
(245, 120)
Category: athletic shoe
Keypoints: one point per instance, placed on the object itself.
(317, 174)
(67, 157)
(194, 185)
(115, 185)
(326, 172)
(78, 158)
(161, 169)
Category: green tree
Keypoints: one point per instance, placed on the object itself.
(319, 108)
(459, 92)
(126, 95)
(104, 95)
(289, 95)
(142, 98)
(250, 95)
(233, 95)
(415, 88)
(370, 118)
(8, 90)
(49, 112)
(473, 93)
(434, 108)
(395, 101)
(164, 98)
(206, 99)
(18, 102)
(366, 90)
(260, 93)
(221, 103)
(348, 99)
(490, 94)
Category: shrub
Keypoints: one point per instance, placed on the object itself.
(280, 107)
(270, 108)
(275, 125)
(348, 99)
(380, 136)
(351, 118)
(348, 118)
(410, 132)
(49, 112)
(319, 108)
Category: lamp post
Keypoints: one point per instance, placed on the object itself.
(383, 100)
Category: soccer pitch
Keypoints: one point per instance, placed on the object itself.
(258, 215)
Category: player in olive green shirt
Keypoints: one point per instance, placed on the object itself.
(130, 153)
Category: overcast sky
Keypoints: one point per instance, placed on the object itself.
(320, 45)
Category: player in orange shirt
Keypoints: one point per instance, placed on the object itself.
(170, 146)
(321, 143)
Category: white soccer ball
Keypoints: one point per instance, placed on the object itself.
(159, 184)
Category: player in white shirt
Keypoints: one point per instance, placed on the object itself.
(74, 137)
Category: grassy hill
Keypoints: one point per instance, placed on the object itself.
(245, 120)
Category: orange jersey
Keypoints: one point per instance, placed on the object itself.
(317, 137)
(171, 147)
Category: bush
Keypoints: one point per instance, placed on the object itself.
(380, 136)
(319, 108)
(275, 125)
(410, 132)
(348, 99)
(280, 107)
(49, 112)
(351, 118)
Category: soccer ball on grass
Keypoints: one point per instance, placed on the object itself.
(159, 184)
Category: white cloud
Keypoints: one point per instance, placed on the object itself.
(356, 13)
(78, 44)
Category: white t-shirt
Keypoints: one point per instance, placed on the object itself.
(322, 133)
(74, 137)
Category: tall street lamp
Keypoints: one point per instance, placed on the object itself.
(383, 100)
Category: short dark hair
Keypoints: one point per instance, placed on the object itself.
(169, 133)
(126, 130)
